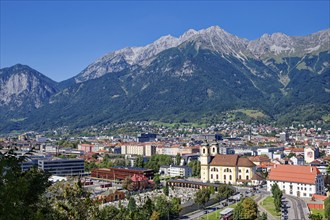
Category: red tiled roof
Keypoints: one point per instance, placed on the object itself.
(245, 162)
(260, 158)
(294, 173)
(224, 160)
(231, 160)
(257, 176)
(320, 197)
(138, 178)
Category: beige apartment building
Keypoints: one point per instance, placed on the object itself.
(144, 149)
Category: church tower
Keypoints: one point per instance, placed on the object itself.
(205, 159)
(214, 150)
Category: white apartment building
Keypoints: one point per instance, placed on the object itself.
(182, 171)
(300, 181)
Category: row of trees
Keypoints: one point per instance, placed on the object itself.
(202, 196)
(107, 162)
(277, 195)
(160, 208)
(155, 162)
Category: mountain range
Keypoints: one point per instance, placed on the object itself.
(199, 74)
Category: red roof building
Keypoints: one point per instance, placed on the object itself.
(301, 181)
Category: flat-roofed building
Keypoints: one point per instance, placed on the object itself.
(142, 149)
(63, 167)
(181, 171)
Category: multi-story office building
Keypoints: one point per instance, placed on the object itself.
(62, 167)
(139, 149)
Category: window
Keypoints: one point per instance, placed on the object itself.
(204, 151)
(240, 177)
(217, 176)
(224, 177)
(229, 177)
(247, 177)
(239, 170)
(227, 170)
(247, 171)
(214, 150)
(211, 176)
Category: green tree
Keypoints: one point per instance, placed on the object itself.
(166, 190)
(263, 216)
(162, 206)
(131, 204)
(155, 215)
(158, 160)
(127, 183)
(195, 166)
(202, 196)
(250, 209)
(156, 179)
(273, 188)
(225, 191)
(108, 213)
(148, 208)
(19, 191)
(139, 162)
(317, 216)
(238, 212)
(178, 159)
(175, 207)
(327, 208)
(70, 201)
(277, 194)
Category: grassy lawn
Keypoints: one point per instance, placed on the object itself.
(318, 211)
(252, 113)
(268, 204)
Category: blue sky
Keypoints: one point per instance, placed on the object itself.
(60, 38)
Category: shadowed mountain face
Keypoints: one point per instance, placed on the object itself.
(199, 73)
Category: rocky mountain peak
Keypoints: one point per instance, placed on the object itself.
(21, 83)
(213, 38)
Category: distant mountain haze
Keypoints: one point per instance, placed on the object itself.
(200, 73)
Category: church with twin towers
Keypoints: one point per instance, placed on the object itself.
(225, 168)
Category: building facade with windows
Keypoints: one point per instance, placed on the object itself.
(62, 167)
(300, 181)
(224, 168)
(139, 149)
(173, 171)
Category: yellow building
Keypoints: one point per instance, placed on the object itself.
(224, 168)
